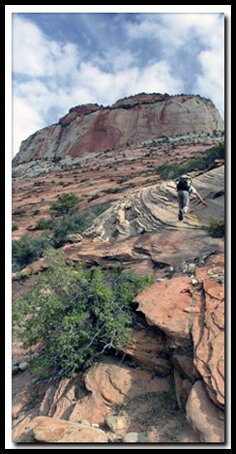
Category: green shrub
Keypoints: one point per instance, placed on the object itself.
(43, 224)
(56, 159)
(99, 208)
(36, 212)
(71, 223)
(203, 162)
(18, 212)
(74, 315)
(66, 218)
(169, 171)
(94, 196)
(28, 249)
(216, 228)
(64, 183)
(113, 190)
(65, 204)
(75, 222)
(206, 160)
(14, 227)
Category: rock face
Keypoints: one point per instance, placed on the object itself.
(146, 350)
(116, 400)
(155, 208)
(92, 128)
(186, 310)
(169, 305)
(109, 385)
(185, 339)
(52, 430)
(208, 330)
(204, 416)
(142, 231)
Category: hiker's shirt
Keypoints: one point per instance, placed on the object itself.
(184, 197)
(191, 190)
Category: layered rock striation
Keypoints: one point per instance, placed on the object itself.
(92, 128)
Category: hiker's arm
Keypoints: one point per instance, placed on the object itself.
(200, 198)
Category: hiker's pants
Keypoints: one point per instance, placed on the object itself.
(183, 198)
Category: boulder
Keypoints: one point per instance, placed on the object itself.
(208, 330)
(52, 430)
(184, 364)
(135, 437)
(182, 389)
(204, 416)
(110, 384)
(117, 424)
(146, 351)
(163, 305)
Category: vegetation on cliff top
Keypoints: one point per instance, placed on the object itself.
(171, 170)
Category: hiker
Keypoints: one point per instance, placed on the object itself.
(184, 189)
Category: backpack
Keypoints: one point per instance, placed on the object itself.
(184, 184)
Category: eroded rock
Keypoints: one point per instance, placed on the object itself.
(93, 128)
(163, 305)
(52, 430)
(146, 351)
(204, 416)
(109, 385)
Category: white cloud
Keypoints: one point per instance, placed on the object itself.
(210, 82)
(29, 49)
(179, 32)
(55, 78)
(35, 55)
(158, 78)
(108, 87)
(177, 29)
(116, 59)
(26, 121)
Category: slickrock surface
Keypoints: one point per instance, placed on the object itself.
(155, 208)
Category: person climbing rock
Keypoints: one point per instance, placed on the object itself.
(184, 189)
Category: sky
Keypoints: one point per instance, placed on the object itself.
(60, 60)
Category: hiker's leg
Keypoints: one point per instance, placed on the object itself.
(186, 201)
(181, 205)
(183, 199)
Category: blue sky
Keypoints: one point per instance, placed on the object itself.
(61, 60)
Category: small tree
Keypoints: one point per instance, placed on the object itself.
(43, 224)
(216, 228)
(66, 203)
(70, 223)
(28, 249)
(75, 314)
